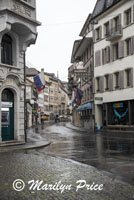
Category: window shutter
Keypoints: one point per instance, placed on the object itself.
(132, 45)
(107, 54)
(111, 53)
(110, 26)
(103, 56)
(93, 35)
(97, 59)
(120, 19)
(100, 32)
(102, 84)
(131, 77)
(121, 80)
(110, 82)
(121, 49)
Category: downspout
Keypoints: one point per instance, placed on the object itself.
(25, 104)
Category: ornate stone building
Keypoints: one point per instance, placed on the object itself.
(17, 32)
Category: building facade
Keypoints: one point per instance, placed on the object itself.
(17, 32)
(82, 76)
(114, 66)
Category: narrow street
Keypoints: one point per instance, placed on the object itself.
(111, 152)
(52, 173)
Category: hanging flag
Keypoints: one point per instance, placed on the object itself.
(73, 96)
(78, 94)
(39, 81)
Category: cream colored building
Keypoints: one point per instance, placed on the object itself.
(17, 32)
(114, 63)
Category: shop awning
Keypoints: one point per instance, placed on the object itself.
(87, 106)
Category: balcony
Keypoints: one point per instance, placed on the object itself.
(114, 33)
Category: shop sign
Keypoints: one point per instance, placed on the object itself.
(7, 104)
(79, 70)
(118, 105)
(99, 98)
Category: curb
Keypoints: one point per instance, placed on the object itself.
(85, 130)
(36, 146)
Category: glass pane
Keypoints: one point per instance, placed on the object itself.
(5, 118)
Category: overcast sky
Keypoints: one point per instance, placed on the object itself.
(62, 21)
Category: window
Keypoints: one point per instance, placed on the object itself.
(128, 17)
(115, 51)
(98, 33)
(106, 29)
(6, 51)
(98, 84)
(128, 47)
(116, 24)
(106, 82)
(117, 80)
(128, 74)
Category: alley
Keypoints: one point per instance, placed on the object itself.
(109, 152)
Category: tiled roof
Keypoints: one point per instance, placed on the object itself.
(102, 5)
(31, 71)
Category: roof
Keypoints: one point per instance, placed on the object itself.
(103, 5)
(75, 46)
(82, 46)
(86, 24)
(31, 71)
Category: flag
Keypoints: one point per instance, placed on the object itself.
(77, 96)
(39, 81)
(73, 96)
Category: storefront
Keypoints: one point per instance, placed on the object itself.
(118, 113)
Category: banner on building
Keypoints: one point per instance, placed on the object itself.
(77, 96)
(39, 81)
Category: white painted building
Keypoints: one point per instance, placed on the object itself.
(17, 32)
(114, 63)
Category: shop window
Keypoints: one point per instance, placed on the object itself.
(6, 51)
(118, 113)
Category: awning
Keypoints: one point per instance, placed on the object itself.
(87, 106)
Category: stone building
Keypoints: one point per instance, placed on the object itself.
(17, 32)
(81, 76)
(114, 63)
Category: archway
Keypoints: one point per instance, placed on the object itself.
(7, 115)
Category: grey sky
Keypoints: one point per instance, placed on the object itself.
(62, 21)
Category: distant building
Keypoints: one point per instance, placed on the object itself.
(17, 32)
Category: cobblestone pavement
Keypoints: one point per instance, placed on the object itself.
(32, 165)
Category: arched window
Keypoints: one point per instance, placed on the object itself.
(6, 51)
(7, 95)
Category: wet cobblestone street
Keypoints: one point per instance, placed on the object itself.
(35, 166)
(57, 171)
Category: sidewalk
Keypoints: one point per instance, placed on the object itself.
(76, 128)
(33, 141)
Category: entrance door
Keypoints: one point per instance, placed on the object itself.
(7, 115)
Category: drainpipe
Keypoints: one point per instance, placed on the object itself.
(25, 104)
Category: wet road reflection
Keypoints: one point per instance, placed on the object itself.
(112, 152)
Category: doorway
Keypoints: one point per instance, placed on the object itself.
(7, 115)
